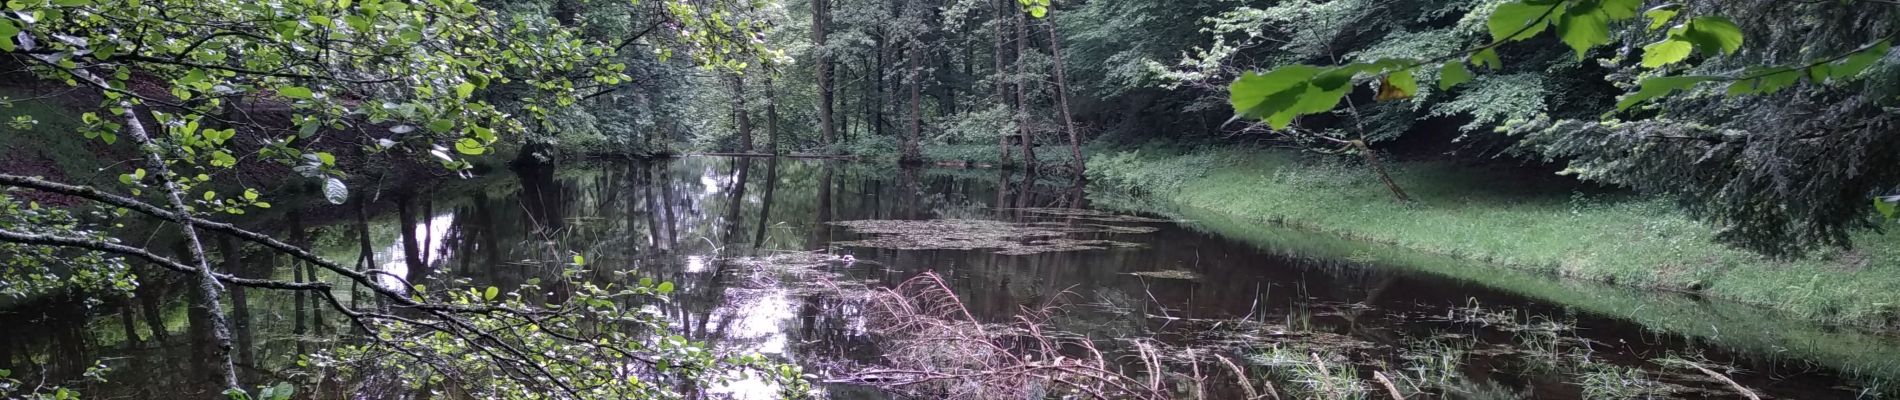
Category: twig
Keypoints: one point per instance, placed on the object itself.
(1389, 388)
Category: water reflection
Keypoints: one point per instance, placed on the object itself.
(679, 221)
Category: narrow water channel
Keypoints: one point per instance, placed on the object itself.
(1121, 270)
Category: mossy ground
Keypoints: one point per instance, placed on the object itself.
(1500, 217)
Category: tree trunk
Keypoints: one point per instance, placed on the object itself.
(1062, 96)
(209, 289)
(771, 114)
(1022, 89)
(820, 19)
(1002, 85)
(743, 117)
(912, 152)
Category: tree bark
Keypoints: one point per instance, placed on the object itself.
(743, 117)
(912, 152)
(771, 114)
(1062, 96)
(1002, 85)
(820, 20)
(1022, 88)
(209, 289)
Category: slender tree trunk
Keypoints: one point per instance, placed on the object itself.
(771, 114)
(1022, 89)
(820, 21)
(1002, 85)
(209, 289)
(912, 152)
(1062, 96)
(740, 114)
(298, 325)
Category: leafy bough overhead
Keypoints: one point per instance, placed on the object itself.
(1285, 93)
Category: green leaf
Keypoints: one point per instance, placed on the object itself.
(1660, 86)
(1488, 58)
(441, 125)
(295, 92)
(664, 288)
(72, 3)
(1665, 52)
(579, 260)
(328, 160)
(1765, 80)
(221, 158)
(1887, 208)
(491, 293)
(1661, 15)
(209, 194)
(646, 282)
(1584, 29)
(196, 75)
(1397, 85)
(1854, 64)
(464, 90)
(1452, 74)
(1713, 35)
(1251, 93)
(7, 32)
(335, 191)
(1521, 20)
(470, 146)
(250, 194)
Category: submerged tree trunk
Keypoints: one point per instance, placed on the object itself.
(1022, 89)
(1062, 96)
(765, 206)
(820, 19)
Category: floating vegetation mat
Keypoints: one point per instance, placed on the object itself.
(1177, 274)
(1077, 213)
(1008, 238)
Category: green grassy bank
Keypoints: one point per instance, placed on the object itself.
(1499, 217)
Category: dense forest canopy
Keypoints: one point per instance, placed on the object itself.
(1774, 122)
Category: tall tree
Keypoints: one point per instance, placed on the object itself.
(740, 113)
(820, 28)
(1022, 89)
(997, 24)
(1062, 95)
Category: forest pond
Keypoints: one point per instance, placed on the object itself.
(757, 249)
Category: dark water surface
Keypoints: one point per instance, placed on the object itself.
(1505, 335)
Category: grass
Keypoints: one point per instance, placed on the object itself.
(1785, 332)
(1497, 218)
